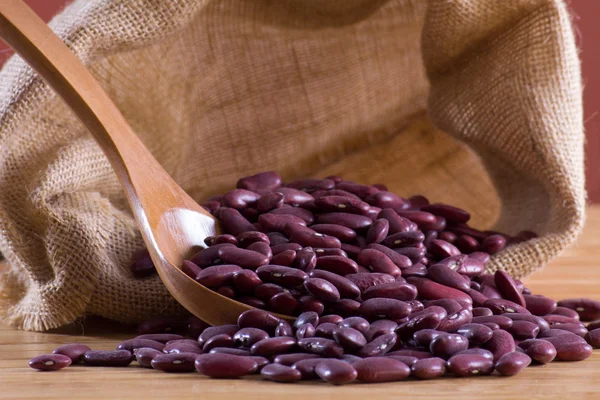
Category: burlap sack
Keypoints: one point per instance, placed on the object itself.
(224, 88)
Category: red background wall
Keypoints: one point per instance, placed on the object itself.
(585, 15)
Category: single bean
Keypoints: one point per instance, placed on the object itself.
(501, 306)
(350, 358)
(293, 196)
(269, 201)
(267, 290)
(400, 260)
(500, 343)
(108, 358)
(481, 312)
(429, 368)
(577, 329)
(503, 321)
(417, 270)
(230, 350)
(541, 351)
(220, 365)
(333, 318)
(424, 337)
(415, 324)
(258, 319)
(337, 204)
(443, 249)
(181, 362)
(283, 303)
(322, 289)
(315, 239)
(420, 354)
(272, 346)
(472, 267)
(541, 322)
(320, 252)
(50, 362)
(303, 214)
(470, 364)
(325, 330)
(226, 291)
(587, 309)
(144, 356)
(449, 212)
(446, 345)
(593, 338)
(307, 367)
(217, 330)
(233, 221)
(384, 308)
(451, 306)
(508, 288)
(345, 287)
(476, 350)
(309, 303)
(391, 290)
(280, 373)
(240, 198)
(378, 231)
(278, 222)
(408, 360)
(465, 243)
(365, 280)
(190, 269)
(414, 254)
(218, 275)
(491, 292)
(403, 239)
(221, 340)
(567, 312)
(245, 258)
(260, 183)
(385, 199)
(362, 191)
(447, 277)
(378, 346)
(262, 248)
(321, 346)
(309, 317)
(349, 338)
(352, 221)
(493, 244)
(292, 358)
(376, 261)
(358, 323)
(74, 351)
(284, 276)
(305, 331)
(284, 329)
(523, 330)
(246, 337)
(380, 327)
(245, 281)
(476, 333)
(336, 372)
(381, 369)
(553, 319)
(512, 363)
(433, 291)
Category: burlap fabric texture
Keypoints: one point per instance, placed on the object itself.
(224, 88)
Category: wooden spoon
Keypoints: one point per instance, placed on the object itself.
(172, 224)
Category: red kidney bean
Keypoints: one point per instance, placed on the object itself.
(336, 372)
(321, 346)
(560, 319)
(362, 191)
(465, 243)
(501, 320)
(311, 185)
(512, 363)
(247, 238)
(272, 346)
(283, 303)
(349, 338)
(292, 358)
(491, 292)
(246, 337)
(144, 356)
(335, 204)
(267, 290)
(472, 267)
(315, 239)
(50, 362)
(181, 362)
(190, 269)
(337, 264)
(341, 232)
(376, 261)
(500, 343)
(570, 347)
(577, 329)
(294, 197)
(443, 249)
(417, 270)
(345, 287)
(380, 327)
(220, 239)
(309, 317)
(220, 340)
(493, 244)
(475, 333)
(381, 369)
(325, 330)
(303, 214)
(240, 198)
(163, 337)
(523, 330)
(567, 312)
(307, 367)
(108, 358)
(384, 308)
(539, 305)
(230, 350)
(260, 183)
(278, 222)
(414, 254)
(208, 257)
(220, 365)
(408, 360)
(451, 306)
(462, 229)
(305, 331)
(263, 248)
(482, 352)
(284, 276)
(333, 318)
(218, 330)
(142, 264)
(284, 329)
(400, 260)
(309, 303)
(245, 281)
(446, 345)
(426, 321)
(366, 280)
(133, 344)
(447, 277)
(424, 337)
(432, 309)
(453, 321)
(541, 323)
(507, 286)
(269, 201)
(352, 221)
(593, 325)
(385, 199)
(378, 231)
(322, 289)
(320, 252)
(396, 223)
(418, 217)
(233, 221)
(433, 291)
(74, 351)
(420, 354)
(429, 368)
(218, 275)
(211, 206)
(481, 312)
(358, 323)
(226, 291)
(449, 212)
(403, 239)
(593, 338)
(539, 350)
(587, 309)
(502, 306)
(391, 290)
(257, 319)
(379, 346)
(470, 364)
(280, 373)
(446, 236)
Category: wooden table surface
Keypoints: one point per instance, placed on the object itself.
(575, 274)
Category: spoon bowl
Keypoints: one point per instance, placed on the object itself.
(172, 224)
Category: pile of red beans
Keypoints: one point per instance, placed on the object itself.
(384, 288)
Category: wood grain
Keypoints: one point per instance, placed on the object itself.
(576, 273)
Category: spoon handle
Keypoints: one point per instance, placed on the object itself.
(147, 185)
